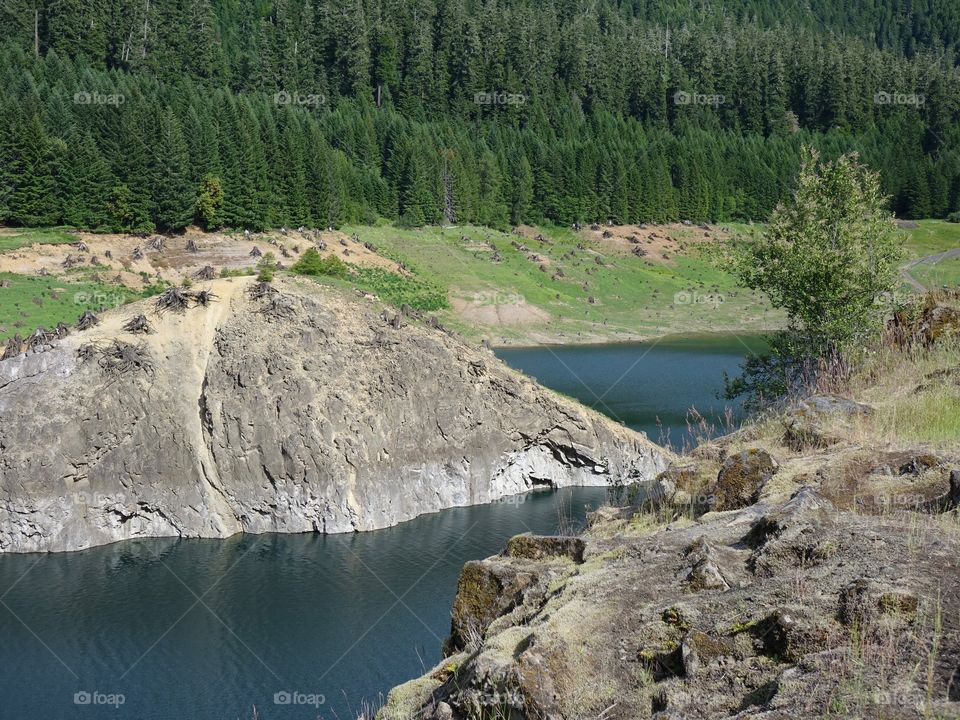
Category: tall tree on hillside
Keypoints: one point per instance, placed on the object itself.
(33, 196)
(79, 28)
(171, 189)
(826, 258)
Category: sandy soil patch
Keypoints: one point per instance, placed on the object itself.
(182, 256)
(499, 314)
(656, 242)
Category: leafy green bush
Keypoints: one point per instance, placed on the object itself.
(954, 217)
(311, 263)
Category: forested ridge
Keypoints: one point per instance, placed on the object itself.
(136, 115)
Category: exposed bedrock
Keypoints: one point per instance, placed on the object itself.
(301, 410)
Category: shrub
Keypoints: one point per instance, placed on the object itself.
(311, 263)
(267, 268)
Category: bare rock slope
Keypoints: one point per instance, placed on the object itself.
(775, 611)
(302, 410)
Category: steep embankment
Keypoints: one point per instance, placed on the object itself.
(303, 410)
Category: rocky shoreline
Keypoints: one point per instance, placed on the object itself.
(745, 586)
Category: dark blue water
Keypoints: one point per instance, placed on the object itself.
(207, 629)
(650, 386)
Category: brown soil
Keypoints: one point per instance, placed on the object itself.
(174, 262)
(660, 242)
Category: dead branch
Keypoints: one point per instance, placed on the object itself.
(262, 290)
(15, 346)
(87, 321)
(138, 325)
(174, 299)
(120, 358)
(203, 297)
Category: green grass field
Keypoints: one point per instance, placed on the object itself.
(630, 295)
(28, 236)
(933, 236)
(30, 302)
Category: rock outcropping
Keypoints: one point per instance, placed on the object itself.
(775, 611)
(301, 410)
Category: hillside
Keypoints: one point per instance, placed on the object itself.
(504, 287)
(289, 113)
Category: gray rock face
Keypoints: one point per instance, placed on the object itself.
(322, 418)
(814, 422)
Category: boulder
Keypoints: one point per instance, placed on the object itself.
(790, 633)
(703, 571)
(811, 422)
(938, 322)
(541, 547)
(797, 534)
(485, 591)
(741, 478)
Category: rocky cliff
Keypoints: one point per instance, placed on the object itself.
(303, 409)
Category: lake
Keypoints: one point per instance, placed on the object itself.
(647, 386)
(303, 626)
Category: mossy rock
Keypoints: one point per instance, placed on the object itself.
(542, 547)
(938, 322)
(741, 478)
(700, 649)
(485, 591)
(790, 633)
(809, 423)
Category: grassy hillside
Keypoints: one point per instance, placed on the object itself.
(533, 285)
(574, 286)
